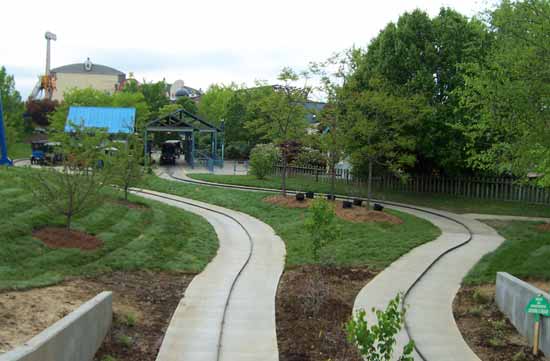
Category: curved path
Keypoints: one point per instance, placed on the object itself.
(429, 275)
(228, 310)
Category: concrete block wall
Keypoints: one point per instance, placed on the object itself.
(512, 296)
(76, 337)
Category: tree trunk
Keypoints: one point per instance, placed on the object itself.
(283, 183)
(369, 185)
(333, 178)
(126, 192)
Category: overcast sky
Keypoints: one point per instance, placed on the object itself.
(200, 41)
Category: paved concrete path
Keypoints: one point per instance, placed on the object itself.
(249, 330)
(430, 316)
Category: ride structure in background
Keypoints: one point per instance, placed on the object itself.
(46, 85)
(4, 160)
(192, 133)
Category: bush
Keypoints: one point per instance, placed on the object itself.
(237, 150)
(376, 342)
(262, 159)
(321, 227)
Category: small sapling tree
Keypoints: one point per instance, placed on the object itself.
(126, 164)
(321, 227)
(75, 187)
(377, 342)
(262, 159)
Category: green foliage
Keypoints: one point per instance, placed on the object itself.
(124, 340)
(76, 187)
(506, 100)
(108, 358)
(128, 319)
(214, 103)
(125, 165)
(262, 159)
(187, 104)
(377, 342)
(321, 226)
(155, 94)
(12, 108)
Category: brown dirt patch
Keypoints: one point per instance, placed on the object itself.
(310, 323)
(363, 215)
(289, 202)
(545, 227)
(486, 330)
(149, 298)
(55, 237)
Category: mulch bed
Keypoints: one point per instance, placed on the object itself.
(289, 202)
(356, 214)
(545, 227)
(153, 298)
(56, 237)
(486, 330)
(310, 319)
(363, 215)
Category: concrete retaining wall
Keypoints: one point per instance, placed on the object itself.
(76, 337)
(512, 296)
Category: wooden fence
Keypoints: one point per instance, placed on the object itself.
(507, 189)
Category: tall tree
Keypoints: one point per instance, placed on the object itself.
(156, 95)
(214, 102)
(281, 116)
(12, 105)
(507, 101)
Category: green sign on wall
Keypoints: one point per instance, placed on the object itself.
(539, 306)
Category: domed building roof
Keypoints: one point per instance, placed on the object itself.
(87, 68)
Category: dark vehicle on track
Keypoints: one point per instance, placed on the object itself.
(168, 153)
(177, 144)
(44, 152)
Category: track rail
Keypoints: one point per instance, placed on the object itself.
(418, 209)
(245, 264)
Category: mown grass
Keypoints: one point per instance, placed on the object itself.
(19, 151)
(439, 201)
(525, 254)
(360, 244)
(157, 237)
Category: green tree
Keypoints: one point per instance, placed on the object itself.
(13, 107)
(187, 104)
(126, 166)
(321, 227)
(506, 101)
(133, 100)
(419, 56)
(214, 102)
(155, 94)
(281, 117)
(379, 130)
(262, 159)
(77, 186)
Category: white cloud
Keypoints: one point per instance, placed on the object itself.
(199, 41)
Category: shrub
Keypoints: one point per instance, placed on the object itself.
(376, 342)
(262, 159)
(124, 340)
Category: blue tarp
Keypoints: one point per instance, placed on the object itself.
(114, 120)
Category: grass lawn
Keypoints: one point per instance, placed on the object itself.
(438, 201)
(525, 254)
(157, 237)
(360, 244)
(19, 150)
